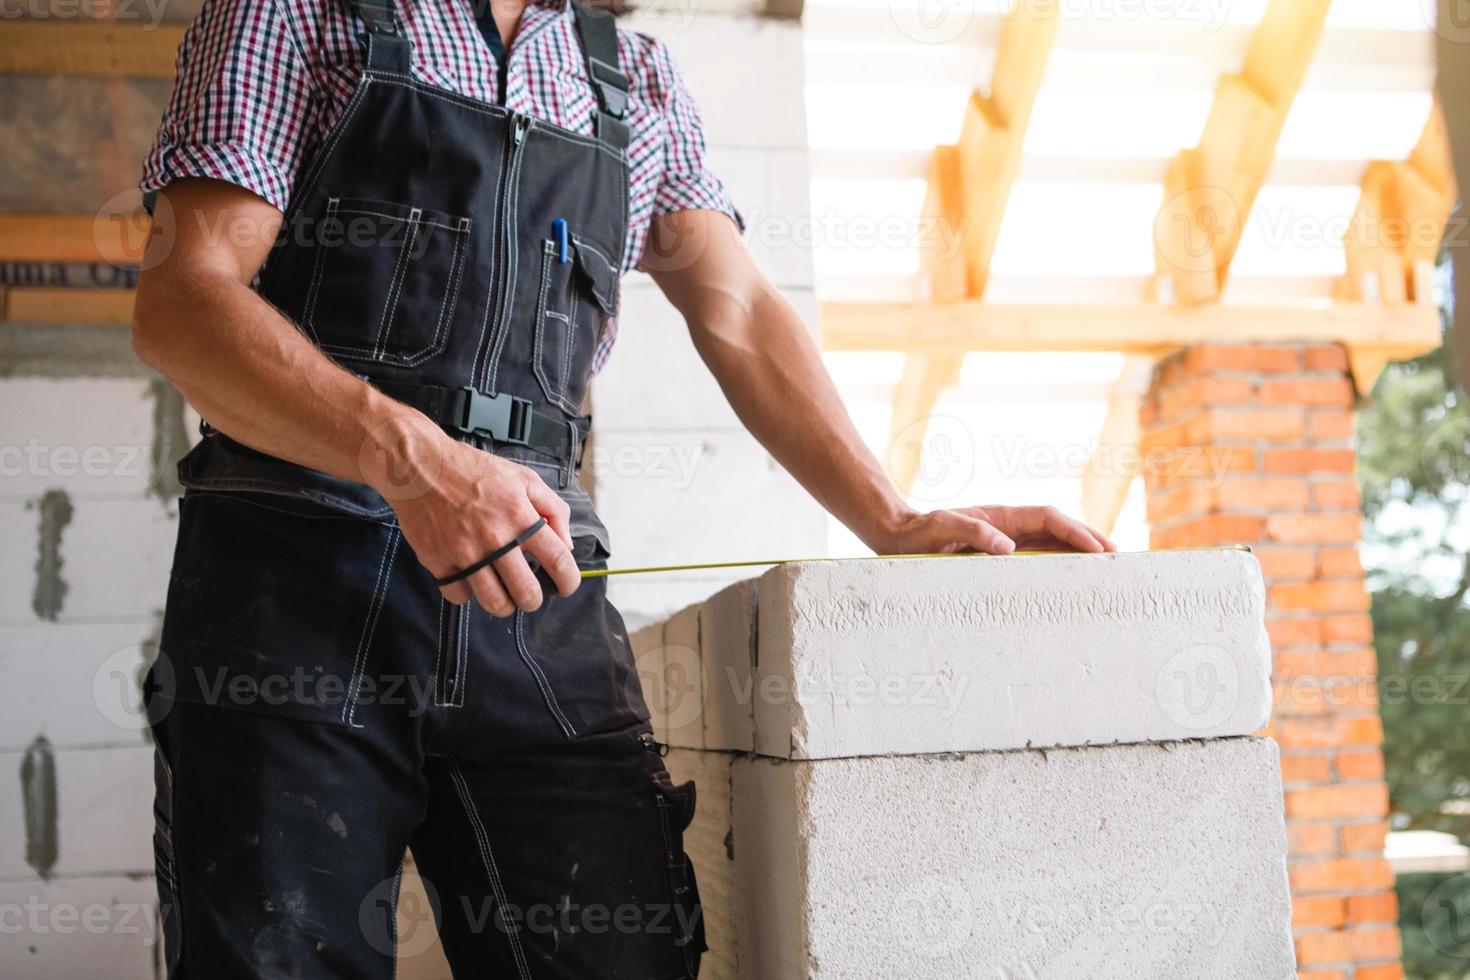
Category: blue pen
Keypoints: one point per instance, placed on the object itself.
(563, 240)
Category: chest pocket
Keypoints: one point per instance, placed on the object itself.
(576, 298)
(384, 280)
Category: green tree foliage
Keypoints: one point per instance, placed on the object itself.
(1414, 469)
(1436, 943)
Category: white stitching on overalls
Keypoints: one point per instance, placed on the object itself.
(436, 343)
(395, 285)
(457, 700)
(370, 627)
(393, 919)
(308, 315)
(440, 643)
(546, 692)
(341, 127)
(487, 858)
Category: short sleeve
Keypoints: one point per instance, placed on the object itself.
(241, 103)
(686, 183)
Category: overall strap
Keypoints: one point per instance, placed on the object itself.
(388, 49)
(598, 34)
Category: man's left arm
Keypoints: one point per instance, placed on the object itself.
(770, 369)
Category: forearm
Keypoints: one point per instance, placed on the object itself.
(772, 372)
(258, 379)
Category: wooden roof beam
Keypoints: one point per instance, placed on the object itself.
(1212, 187)
(973, 325)
(99, 48)
(969, 184)
(1394, 236)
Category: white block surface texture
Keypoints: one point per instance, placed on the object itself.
(1132, 862)
(913, 656)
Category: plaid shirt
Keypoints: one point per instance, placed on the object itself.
(261, 82)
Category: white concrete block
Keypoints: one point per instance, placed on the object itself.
(707, 842)
(963, 654)
(648, 661)
(644, 599)
(76, 684)
(654, 378)
(727, 659)
(681, 497)
(88, 436)
(683, 680)
(115, 558)
(1130, 862)
(750, 100)
(104, 814)
(781, 231)
(771, 189)
(79, 927)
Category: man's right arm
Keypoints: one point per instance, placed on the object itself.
(260, 380)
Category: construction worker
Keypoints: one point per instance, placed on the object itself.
(388, 245)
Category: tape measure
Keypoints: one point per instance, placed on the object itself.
(772, 562)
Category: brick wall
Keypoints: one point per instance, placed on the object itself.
(1253, 444)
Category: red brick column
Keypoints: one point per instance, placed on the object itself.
(1252, 444)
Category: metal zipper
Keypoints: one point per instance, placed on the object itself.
(505, 274)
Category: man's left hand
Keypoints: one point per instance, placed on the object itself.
(992, 530)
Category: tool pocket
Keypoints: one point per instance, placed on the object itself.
(575, 649)
(384, 280)
(676, 805)
(576, 298)
(282, 607)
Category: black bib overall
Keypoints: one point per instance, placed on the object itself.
(318, 706)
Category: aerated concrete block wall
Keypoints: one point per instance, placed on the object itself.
(677, 478)
(87, 443)
(1027, 767)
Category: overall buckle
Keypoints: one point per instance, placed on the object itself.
(502, 417)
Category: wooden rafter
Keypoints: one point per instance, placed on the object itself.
(1209, 191)
(969, 184)
(973, 325)
(1105, 481)
(44, 304)
(110, 49)
(117, 239)
(1211, 188)
(1394, 235)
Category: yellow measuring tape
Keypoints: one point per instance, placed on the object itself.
(768, 562)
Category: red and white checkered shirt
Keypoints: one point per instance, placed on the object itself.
(261, 82)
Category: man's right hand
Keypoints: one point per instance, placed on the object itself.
(456, 504)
